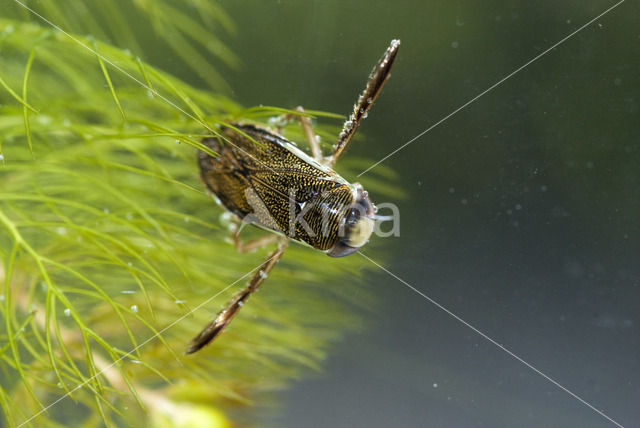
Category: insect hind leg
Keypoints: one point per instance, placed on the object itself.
(225, 316)
(377, 79)
(253, 244)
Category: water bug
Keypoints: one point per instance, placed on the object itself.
(267, 181)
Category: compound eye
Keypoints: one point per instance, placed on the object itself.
(353, 217)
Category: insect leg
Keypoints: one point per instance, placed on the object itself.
(307, 129)
(283, 120)
(377, 79)
(254, 244)
(236, 226)
(224, 317)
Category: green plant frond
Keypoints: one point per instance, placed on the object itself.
(269, 111)
(187, 139)
(213, 14)
(19, 331)
(25, 109)
(16, 96)
(49, 316)
(144, 74)
(7, 407)
(109, 82)
(8, 317)
(329, 115)
(195, 109)
(198, 32)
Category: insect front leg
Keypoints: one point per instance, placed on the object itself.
(225, 316)
(307, 129)
(310, 135)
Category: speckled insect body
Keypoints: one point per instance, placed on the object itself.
(274, 185)
(264, 179)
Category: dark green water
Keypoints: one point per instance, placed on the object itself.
(522, 215)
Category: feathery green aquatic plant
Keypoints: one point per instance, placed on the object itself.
(108, 241)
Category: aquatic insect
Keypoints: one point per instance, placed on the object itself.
(265, 180)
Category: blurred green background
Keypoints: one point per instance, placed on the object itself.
(520, 215)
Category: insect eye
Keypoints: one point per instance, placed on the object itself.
(353, 217)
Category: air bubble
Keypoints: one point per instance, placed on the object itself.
(241, 303)
(262, 274)
(134, 308)
(67, 312)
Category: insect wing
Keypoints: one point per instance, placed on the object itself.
(268, 183)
